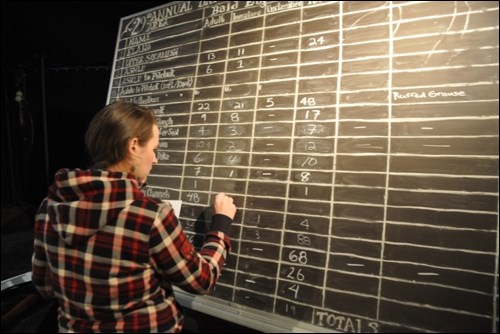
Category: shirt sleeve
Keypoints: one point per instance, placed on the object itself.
(39, 265)
(178, 262)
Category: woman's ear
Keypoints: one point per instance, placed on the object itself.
(132, 145)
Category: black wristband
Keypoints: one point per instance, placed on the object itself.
(221, 223)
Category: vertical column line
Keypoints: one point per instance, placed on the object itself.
(337, 117)
(250, 150)
(290, 163)
(388, 160)
(188, 127)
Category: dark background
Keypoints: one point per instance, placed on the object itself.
(59, 54)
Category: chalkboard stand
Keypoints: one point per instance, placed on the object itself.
(247, 317)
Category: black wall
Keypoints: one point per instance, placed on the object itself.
(59, 54)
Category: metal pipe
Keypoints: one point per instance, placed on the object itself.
(44, 113)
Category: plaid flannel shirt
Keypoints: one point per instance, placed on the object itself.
(110, 255)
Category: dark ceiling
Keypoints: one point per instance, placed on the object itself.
(64, 32)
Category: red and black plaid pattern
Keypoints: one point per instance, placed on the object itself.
(110, 255)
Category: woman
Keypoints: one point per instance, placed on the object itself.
(109, 254)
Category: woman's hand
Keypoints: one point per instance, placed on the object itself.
(224, 205)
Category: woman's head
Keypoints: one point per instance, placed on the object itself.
(123, 136)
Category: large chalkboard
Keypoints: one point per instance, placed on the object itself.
(359, 139)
